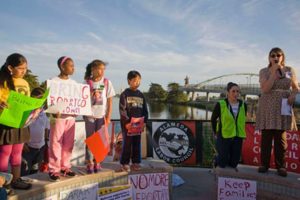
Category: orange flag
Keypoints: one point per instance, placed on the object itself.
(98, 143)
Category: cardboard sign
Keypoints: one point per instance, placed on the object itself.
(236, 189)
(73, 98)
(21, 109)
(137, 126)
(150, 186)
(84, 192)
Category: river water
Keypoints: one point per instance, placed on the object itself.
(168, 111)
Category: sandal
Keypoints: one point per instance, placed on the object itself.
(124, 168)
(20, 184)
(135, 167)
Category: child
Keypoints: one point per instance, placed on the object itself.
(5, 180)
(132, 104)
(62, 130)
(33, 150)
(12, 139)
(102, 93)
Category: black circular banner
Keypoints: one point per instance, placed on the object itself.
(174, 142)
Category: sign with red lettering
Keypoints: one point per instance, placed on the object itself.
(150, 186)
(69, 98)
(251, 149)
(236, 189)
(174, 141)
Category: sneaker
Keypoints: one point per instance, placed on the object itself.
(262, 169)
(68, 172)
(135, 167)
(54, 176)
(282, 172)
(97, 167)
(20, 184)
(89, 168)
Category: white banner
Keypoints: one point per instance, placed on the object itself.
(73, 99)
(85, 192)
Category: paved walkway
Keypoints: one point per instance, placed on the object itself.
(199, 184)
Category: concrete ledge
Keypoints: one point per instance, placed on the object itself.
(43, 188)
(269, 185)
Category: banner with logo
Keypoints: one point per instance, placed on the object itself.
(251, 149)
(174, 141)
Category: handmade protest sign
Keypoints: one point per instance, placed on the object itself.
(21, 109)
(79, 193)
(236, 189)
(150, 186)
(137, 126)
(69, 98)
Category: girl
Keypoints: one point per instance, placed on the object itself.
(102, 92)
(62, 130)
(228, 123)
(12, 139)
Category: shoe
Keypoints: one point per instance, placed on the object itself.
(68, 172)
(20, 184)
(135, 167)
(282, 172)
(97, 167)
(54, 176)
(8, 178)
(89, 168)
(262, 169)
(124, 168)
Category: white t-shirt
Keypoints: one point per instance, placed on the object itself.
(66, 81)
(99, 97)
(235, 109)
(37, 131)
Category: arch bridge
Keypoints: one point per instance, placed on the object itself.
(248, 83)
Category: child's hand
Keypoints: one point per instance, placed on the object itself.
(128, 126)
(25, 148)
(107, 119)
(2, 181)
(3, 105)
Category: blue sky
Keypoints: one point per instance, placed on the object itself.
(164, 40)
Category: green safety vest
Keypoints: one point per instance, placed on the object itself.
(232, 127)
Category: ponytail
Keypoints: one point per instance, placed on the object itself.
(88, 72)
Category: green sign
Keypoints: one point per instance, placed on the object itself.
(20, 107)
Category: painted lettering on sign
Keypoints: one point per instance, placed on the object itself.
(153, 186)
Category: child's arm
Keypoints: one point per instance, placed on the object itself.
(2, 181)
(124, 118)
(145, 110)
(108, 110)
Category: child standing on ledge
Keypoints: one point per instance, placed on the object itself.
(132, 105)
(62, 130)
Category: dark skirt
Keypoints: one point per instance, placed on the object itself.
(10, 135)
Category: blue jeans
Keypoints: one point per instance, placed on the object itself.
(3, 194)
(90, 128)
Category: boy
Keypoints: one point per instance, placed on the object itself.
(33, 150)
(132, 105)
